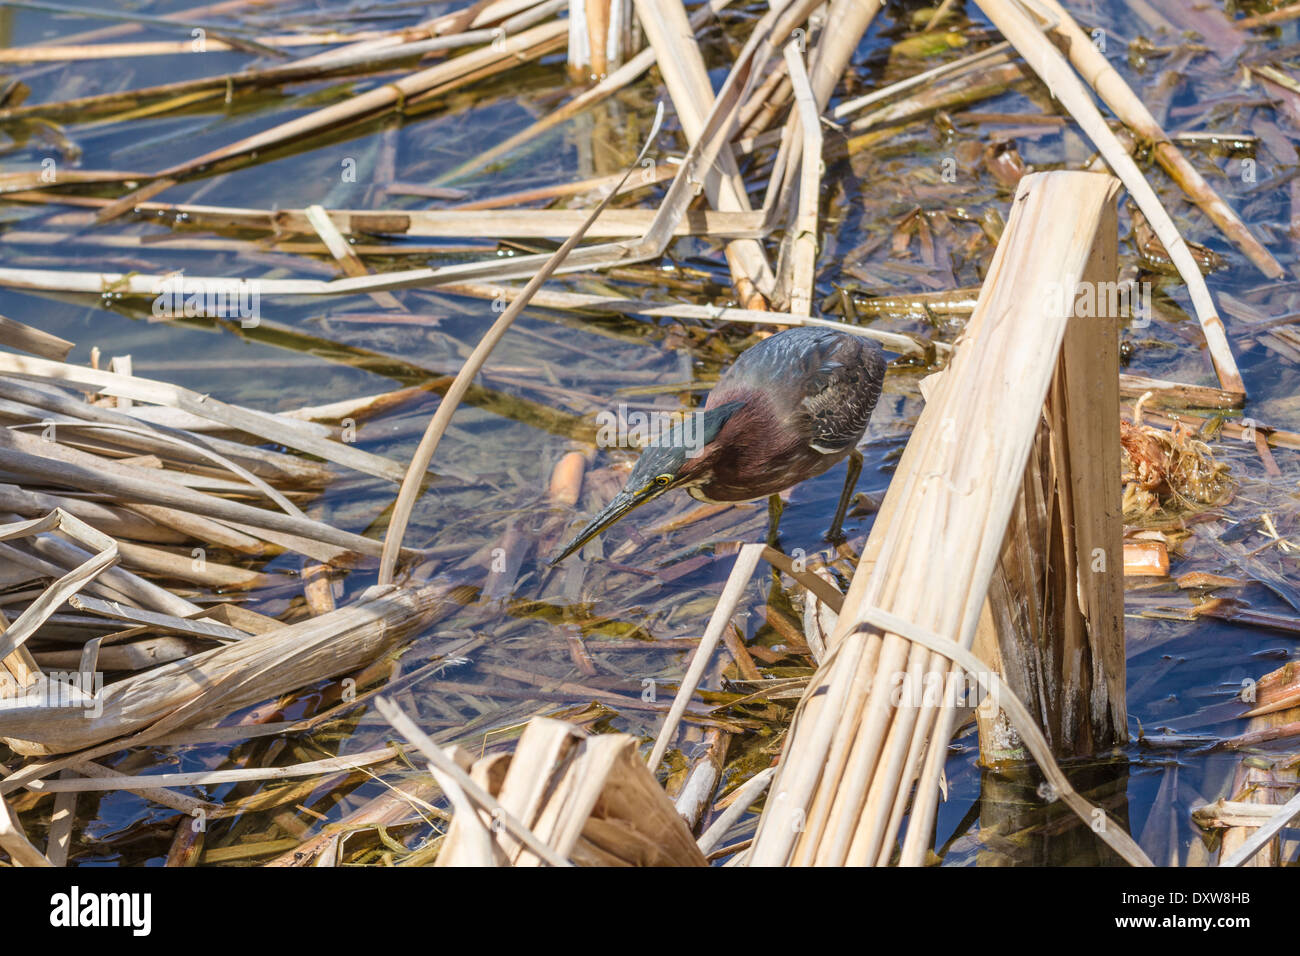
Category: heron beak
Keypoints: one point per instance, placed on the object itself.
(624, 503)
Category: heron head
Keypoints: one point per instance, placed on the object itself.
(676, 460)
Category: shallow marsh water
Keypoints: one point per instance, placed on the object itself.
(514, 652)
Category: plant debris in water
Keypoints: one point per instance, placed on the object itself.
(307, 151)
(1169, 473)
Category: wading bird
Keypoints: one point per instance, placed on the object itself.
(787, 409)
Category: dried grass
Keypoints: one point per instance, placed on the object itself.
(1169, 474)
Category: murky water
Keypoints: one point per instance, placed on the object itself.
(584, 641)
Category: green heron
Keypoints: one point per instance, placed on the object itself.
(787, 409)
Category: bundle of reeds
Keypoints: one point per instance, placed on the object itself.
(857, 746)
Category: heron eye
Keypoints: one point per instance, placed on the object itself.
(663, 480)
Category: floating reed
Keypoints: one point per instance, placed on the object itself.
(221, 681)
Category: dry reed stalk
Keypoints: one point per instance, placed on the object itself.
(167, 798)
(512, 49)
(161, 431)
(261, 424)
(436, 223)
(804, 237)
(702, 778)
(1275, 437)
(955, 68)
(764, 103)
(405, 801)
(741, 800)
(44, 462)
(473, 845)
(737, 581)
(1128, 106)
(310, 416)
(181, 565)
(660, 172)
(992, 685)
(681, 64)
(218, 682)
(136, 656)
(424, 452)
(25, 568)
(103, 554)
(607, 87)
(347, 259)
(851, 749)
(1276, 690)
(360, 56)
(317, 587)
(24, 338)
(62, 816)
(820, 619)
(469, 796)
(18, 670)
(108, 653)
(133, 438)
(600, 37)
(1250, 834)
(512, 16)
(1233, 813)
(816, 584)
(1250, 817)
(586, 799)
(990, 78)
(1177, 394)
(1052, 67)
(145, 593)
(846, 23)
(894, 341)
(13, 840)
(58, 52)
(1280, 15)
(663, 225)
(1076, 674)
(37, 179)
(244, 540)
(1057, 601)
(358, 408)
(205, 778)
(187, 844)
(1146, 558)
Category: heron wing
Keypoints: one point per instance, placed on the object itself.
(821, 381)
(839, 400)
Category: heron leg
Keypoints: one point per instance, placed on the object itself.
(775, 506)
(846, 496)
